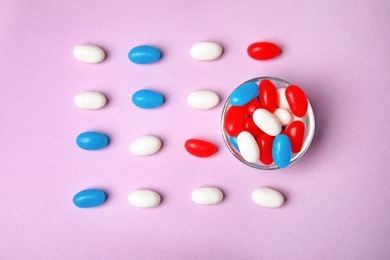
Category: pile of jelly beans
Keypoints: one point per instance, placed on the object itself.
(266, 125)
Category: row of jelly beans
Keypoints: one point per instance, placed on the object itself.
(266, 124)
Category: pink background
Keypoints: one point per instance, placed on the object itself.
(338, 196)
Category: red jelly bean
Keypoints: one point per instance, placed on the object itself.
(263, 50)
(268, 95)
(200, 148)
(297, 100)
(234, 120)
(251, 127)
(264, 142)
(251, 107)
(296, 133)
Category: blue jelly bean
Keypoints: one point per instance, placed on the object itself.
(233, 141)
(92, 140)
(89, 198)
(281, 150)
(145, 98)
(244, 93)
(144, 54)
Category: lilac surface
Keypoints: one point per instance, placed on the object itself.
(338, 196)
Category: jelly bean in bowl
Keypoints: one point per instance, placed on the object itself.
(267, 123)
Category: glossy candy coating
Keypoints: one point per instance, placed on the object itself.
(265, 142)
(89, 53)
(268, 95)
(144, 199)
(251, 127)
(281, 150)
(200, 148)
(145, 145)
(147, 99)
(144, 54)
(283, 115)
(89, 198)
(263, 50)
(244, 93)
(92, 140)
(267, 122)
(296, 133)
(267, 197)
(234, 120)
(203, 99)
(251, 106)
(207, 196)
(297, 100)
(206, 51)
(248, 147)
(90, 100)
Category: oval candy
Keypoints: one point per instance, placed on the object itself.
(234, 120)
(283, 115)
(144, 199)
(265, 142)
(207, 196)
(248, 147)
(263, 50)
(251, 127)
(91, 140)
(282, 100)
(267, 197)
(89, 53)
(281, 150)
(296, 133)
(90, 100)
(244, 93)
(251, 106)
(206, 51)
(203, 99)
(297, 100)
(268, 95)
(147, 99)
(89, 198)
(145, 145)
(144, 54)
(267, 122)
(200, 148)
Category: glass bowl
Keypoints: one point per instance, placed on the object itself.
(308, 120)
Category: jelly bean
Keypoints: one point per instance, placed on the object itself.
(200, 148)
(203, 99)
(90, 100)
(234, 120)
(89, 53)
(251, 106)
(144, 199)
(251, 127)
(145, 98)
(207, 196)
(267, 197)
(297, 100)
(92, 140)
(263, 50)
(281, 150)
(268, 95)
(89, 198)
(145, 145)
(265, 142)
(296, 132)
(283, 115)
(267, 122)
(206, 51)
(282, 100)
(144, 54)
(248, 147)
(233, 141)
(244, 93)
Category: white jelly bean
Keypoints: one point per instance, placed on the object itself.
(267, 122)
(206, 51)
(90, 100)
(144, 198)
(268, 197)
(89, 53)
(145, 145)
(248, 147)
(284, 115)
(282, 100)
(203, 99)
(207, 195)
